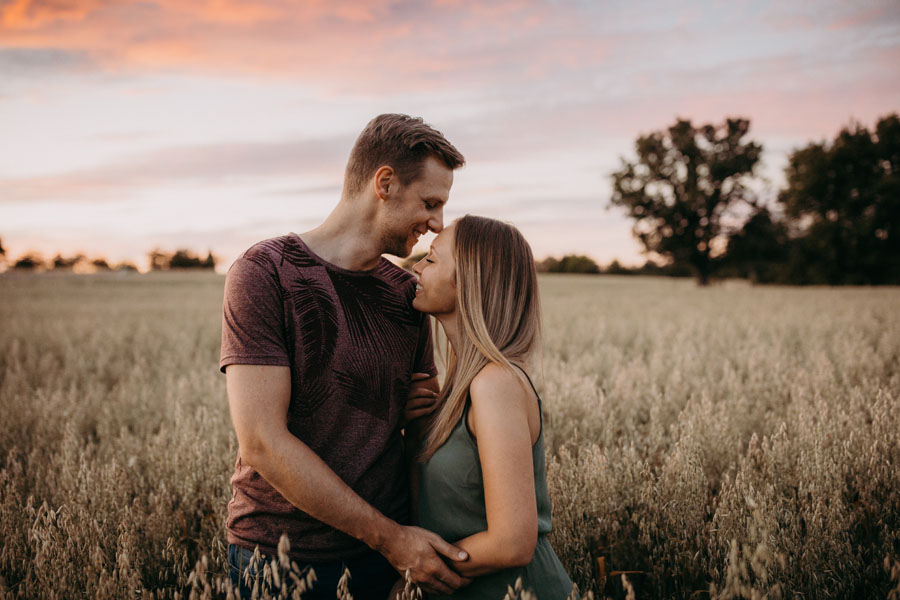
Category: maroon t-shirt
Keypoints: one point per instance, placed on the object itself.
(352, 340)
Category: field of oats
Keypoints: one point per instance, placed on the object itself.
(730, 442)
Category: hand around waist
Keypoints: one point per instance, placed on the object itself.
(422, 552)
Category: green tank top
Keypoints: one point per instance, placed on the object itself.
(451, 503)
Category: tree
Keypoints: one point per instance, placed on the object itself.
(126, 266)
(844, 198)
(761, 250)
(616, 268)
(159, 260)
(29, 262)
(577, 263)
(570, 263)
(548, 265)
(684, 181)
(62, 263)
(185, 259)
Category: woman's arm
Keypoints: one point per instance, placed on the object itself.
(499, 419)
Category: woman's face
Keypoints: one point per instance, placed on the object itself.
(436, 289)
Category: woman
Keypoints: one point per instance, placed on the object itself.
(481, 473)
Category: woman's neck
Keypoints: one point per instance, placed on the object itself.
(451, 329)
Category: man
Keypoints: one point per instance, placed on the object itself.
(319, 345)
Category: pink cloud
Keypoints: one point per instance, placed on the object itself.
(863, 17)
(35, 14)
(206, 163)
(362, 45)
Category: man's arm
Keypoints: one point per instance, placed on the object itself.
(259, 397)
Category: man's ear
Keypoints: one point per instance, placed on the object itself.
(384, 180)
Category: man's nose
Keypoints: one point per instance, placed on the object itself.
(436, 223)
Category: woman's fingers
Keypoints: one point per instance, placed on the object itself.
(420, 402)
(421, 399)
(412, 415)
(419, 407)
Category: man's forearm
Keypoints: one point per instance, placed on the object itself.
(308, 483)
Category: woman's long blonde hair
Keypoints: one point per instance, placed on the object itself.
(499, 314)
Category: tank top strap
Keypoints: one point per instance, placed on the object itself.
(531, 383)
(464, 420)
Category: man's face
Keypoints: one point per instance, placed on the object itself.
(416, 208)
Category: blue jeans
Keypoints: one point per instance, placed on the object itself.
(371, 575)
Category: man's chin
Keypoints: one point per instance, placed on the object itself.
(405, 251)
(401, 249)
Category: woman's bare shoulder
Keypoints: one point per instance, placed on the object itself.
(498, 386)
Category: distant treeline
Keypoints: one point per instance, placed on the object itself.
(158, 260)
(580, 264)
(577, 263)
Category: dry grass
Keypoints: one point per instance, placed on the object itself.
(731, 442)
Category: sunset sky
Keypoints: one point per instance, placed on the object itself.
(212, 124)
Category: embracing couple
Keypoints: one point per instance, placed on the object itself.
(347, 443)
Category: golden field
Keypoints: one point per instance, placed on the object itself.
(728, 442)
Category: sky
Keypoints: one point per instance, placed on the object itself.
(212, 124)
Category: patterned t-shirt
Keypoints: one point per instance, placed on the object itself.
(352, 340)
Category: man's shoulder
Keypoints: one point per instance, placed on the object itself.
(268, 249)
(395, 275)
(276, 253)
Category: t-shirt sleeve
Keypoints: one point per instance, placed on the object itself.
(424, 362)
(253, 331)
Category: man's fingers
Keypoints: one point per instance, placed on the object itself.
(438, 588)
(420, 377)
(445, 582)
(449, 550)
(416, 546)
(448, 578)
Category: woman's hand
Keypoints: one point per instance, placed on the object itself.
(422, 398)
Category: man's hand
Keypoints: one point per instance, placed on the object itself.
(422, 397)
(419, 551)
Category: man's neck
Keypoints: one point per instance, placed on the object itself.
(346, 238)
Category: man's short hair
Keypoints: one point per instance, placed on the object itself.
(400, 142)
